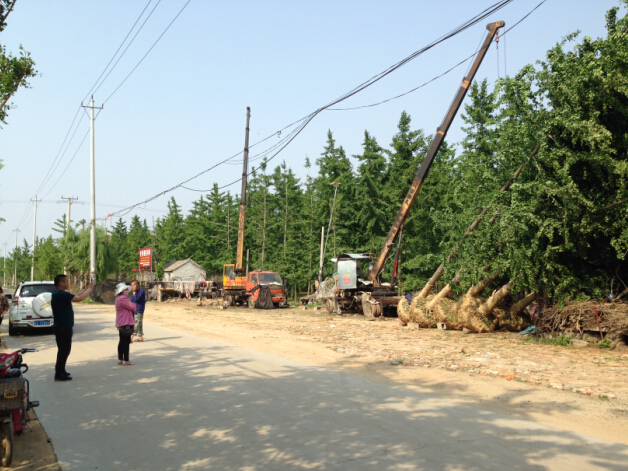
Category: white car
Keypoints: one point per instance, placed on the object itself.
(30, 306)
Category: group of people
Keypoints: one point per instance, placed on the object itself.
(129, 320)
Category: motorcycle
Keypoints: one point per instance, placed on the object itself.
(14, 401)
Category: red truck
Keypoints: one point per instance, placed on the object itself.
(262, 279)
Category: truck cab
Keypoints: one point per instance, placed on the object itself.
(265, 278)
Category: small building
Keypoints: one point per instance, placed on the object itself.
(184, 270)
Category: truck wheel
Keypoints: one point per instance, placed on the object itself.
(12, 330)
(229, 300)
(251, 303)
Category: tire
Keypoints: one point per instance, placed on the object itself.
(12, 330)
(6, 443)
(251, 303)
(229, 300)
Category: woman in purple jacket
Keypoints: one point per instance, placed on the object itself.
(124, 322)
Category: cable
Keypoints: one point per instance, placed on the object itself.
(148, 52)
(128, 45)
(305, 121)
(118, 50)
(444, 73)
(59, 151)
(67, 166)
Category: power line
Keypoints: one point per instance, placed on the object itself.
(148, 52)
(68, 165)
(120, 47)
(59, 151)
(129, 45)
(307, 119)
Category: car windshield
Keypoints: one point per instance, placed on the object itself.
(268, 278)
(30, 291)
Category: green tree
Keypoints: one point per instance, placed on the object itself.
(14, 70)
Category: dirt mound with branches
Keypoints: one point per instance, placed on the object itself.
(578, 318)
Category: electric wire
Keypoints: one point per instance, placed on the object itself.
(305, 121)
(118, 50)
(49, 175)
(68, 165)
(59, 151)
(148, 52)
(128, 45)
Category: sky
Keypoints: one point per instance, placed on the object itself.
(183, 109)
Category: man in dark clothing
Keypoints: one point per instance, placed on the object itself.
(139, 298)
(63, 315)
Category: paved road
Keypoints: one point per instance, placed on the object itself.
(191, 403)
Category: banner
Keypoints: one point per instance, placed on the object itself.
(146, 257)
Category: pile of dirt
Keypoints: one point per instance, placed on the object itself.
(578, 318)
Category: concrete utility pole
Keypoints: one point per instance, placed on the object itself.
(70, 200)
(320, 268)
(15, 255)
(92, 238)
(34, 240)
(67, 223)
(4, 272)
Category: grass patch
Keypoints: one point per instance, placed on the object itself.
(561, 341)
(605, 343)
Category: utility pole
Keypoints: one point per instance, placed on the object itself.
(34, 240)
(320, 268)
(70, 199)
(15, 255)
(4, 272)
(67, 223)
(92, 238)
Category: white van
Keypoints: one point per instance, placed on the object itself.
(30, 306)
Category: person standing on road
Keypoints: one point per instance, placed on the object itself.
(124, 322)
(139, 298)
(63, 316)
(4, 305)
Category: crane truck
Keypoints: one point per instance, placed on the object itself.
(240, 287)
(359, 285)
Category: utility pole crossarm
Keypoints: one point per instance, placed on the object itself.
(439, 137)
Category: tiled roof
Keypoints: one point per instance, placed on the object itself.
(172, 266)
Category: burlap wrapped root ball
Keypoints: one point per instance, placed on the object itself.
(470, 318)
(403, 311)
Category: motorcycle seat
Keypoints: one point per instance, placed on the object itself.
(13, 373)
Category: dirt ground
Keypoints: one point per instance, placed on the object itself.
(33, 451)
(577, 389)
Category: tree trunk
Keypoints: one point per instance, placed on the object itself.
(432, 281)
(518, 308)
(486, 308)
(439, 271)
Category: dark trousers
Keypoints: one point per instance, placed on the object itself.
(63, 335)
(123, 347)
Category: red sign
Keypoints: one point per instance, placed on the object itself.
(146, 257)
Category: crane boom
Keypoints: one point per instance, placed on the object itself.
(245, 170)
(439, 137)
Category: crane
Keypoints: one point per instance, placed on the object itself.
(371, 294)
